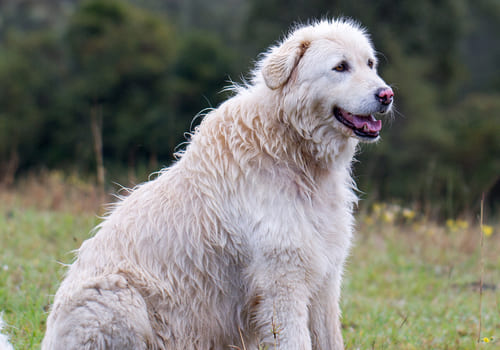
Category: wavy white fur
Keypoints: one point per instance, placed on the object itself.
(243, 240)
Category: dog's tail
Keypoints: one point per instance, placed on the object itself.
(4, 339)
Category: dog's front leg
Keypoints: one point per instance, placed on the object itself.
(325, 326)
(280, 310)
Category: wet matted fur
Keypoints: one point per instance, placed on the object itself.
(243, 240)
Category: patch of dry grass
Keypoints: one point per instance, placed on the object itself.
(54, 191)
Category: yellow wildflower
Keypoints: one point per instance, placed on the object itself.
(388, 217)
(456, 225)
(462, 224)
(450, 223)
(486, 340)
(487, 230)
(377, 208)
(408, 214)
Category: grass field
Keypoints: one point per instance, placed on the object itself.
(416, 285)
(410, 283)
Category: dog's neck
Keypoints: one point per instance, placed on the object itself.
(321, 148)
(256, 135)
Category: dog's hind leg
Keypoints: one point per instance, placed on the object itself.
(105, 313)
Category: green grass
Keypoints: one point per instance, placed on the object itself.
(416, 286)
(408, 285)
(33, 246)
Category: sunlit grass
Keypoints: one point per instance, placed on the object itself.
(409, 284)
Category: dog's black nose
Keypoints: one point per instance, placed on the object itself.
(384, 95)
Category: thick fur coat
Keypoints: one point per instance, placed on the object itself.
(242, 241)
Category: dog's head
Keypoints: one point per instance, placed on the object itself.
(327, 76)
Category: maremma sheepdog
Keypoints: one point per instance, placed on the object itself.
(241, 243)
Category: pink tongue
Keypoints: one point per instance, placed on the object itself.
(372, 124)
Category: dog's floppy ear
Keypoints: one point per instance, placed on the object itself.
(280, 62)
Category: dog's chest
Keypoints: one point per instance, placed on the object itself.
(314, 233)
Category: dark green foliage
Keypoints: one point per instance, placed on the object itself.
(27, 105)
(201, 71)
(119, 59)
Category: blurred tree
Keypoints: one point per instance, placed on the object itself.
(200, 73)
(481, 48)
(473, 159)
(33, 15)
(28, 65)
(120, 59)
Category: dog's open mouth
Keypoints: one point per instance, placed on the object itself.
(365, 126)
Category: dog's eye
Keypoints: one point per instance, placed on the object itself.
(370, 64)
(341, 67)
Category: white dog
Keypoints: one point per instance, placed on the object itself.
(242, 242)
